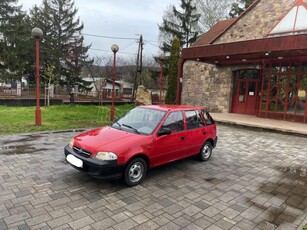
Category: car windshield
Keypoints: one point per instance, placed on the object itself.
(140, 120)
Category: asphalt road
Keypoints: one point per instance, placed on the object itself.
(254, 180)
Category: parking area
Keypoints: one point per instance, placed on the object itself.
(254, 180)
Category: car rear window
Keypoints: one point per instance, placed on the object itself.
(194, 119)
(208, 119)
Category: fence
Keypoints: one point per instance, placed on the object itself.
(61, 93)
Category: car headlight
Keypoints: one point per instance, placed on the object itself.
(71, 143)
(106, 156)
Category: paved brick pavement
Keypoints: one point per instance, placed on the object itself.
(255, 180)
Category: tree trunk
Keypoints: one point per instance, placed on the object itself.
(72, 98)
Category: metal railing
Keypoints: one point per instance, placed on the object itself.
(61, 93)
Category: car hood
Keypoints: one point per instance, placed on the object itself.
(105, 139)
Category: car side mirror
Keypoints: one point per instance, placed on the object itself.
(164, 131)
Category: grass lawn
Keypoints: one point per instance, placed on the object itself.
(62, 117)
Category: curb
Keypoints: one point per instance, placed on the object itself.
(49, 132)
(261, 128)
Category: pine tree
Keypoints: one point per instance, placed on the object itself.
(173, 72)
(182, 23)
(15, 41)
(236, 9)
(41, 19)
(64, 47)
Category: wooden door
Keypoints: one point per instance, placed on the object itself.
(246, 93)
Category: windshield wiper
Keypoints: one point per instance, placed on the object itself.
(130, 127)
(116, 122)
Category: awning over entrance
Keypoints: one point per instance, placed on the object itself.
(256, 51)
(283, 90)
(280, 90)
(259, 51)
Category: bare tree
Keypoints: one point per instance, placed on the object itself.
(49, 76)
(99, 71)
(212, 11)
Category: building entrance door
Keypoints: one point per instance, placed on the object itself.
(246, 90)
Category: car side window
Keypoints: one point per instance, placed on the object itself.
(208, 118)
(194, 119)
(174, 122)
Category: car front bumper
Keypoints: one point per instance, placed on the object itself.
(94, 167)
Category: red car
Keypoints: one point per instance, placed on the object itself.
(146, 137)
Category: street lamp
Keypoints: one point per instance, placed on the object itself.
(37, 33)
(114, 48)
(161, 59)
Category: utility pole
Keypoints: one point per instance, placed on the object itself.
(139, 66)
(141, 57)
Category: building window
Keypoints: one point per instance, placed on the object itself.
(249, 74)
(284, 89)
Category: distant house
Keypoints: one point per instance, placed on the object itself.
(255, 64)
(127, 88)
(121, 88)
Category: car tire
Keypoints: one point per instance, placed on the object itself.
(206, 151)
(135, 171)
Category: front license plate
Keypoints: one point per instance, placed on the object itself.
(74, 161)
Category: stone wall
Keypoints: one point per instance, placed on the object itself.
(207, 86)
(258, 22)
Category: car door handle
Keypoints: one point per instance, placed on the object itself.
(182, 138)
(204, 133)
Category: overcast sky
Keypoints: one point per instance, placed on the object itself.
(118, 18)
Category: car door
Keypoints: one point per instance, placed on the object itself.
(196, 131)
(167, 148)
(211, 127)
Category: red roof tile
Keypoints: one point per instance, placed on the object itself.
(214, 32)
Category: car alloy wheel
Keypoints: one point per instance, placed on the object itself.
(206, 151)
(135, 172)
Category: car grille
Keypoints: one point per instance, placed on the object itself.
(81, 152)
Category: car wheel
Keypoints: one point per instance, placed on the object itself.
(206, 151)
(135, 172)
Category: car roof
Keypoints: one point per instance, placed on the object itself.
(172, 107)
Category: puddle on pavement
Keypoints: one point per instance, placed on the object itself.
(276, 215)
(20, 149)
(214, 180)
(23, 139)
(294, 171)
(290, 196)
(9, 147)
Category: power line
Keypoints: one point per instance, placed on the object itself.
(127, 46)
(151, 43)
(122, 38)
(109, 51)
(108, 37)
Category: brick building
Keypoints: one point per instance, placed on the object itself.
(255, 64)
